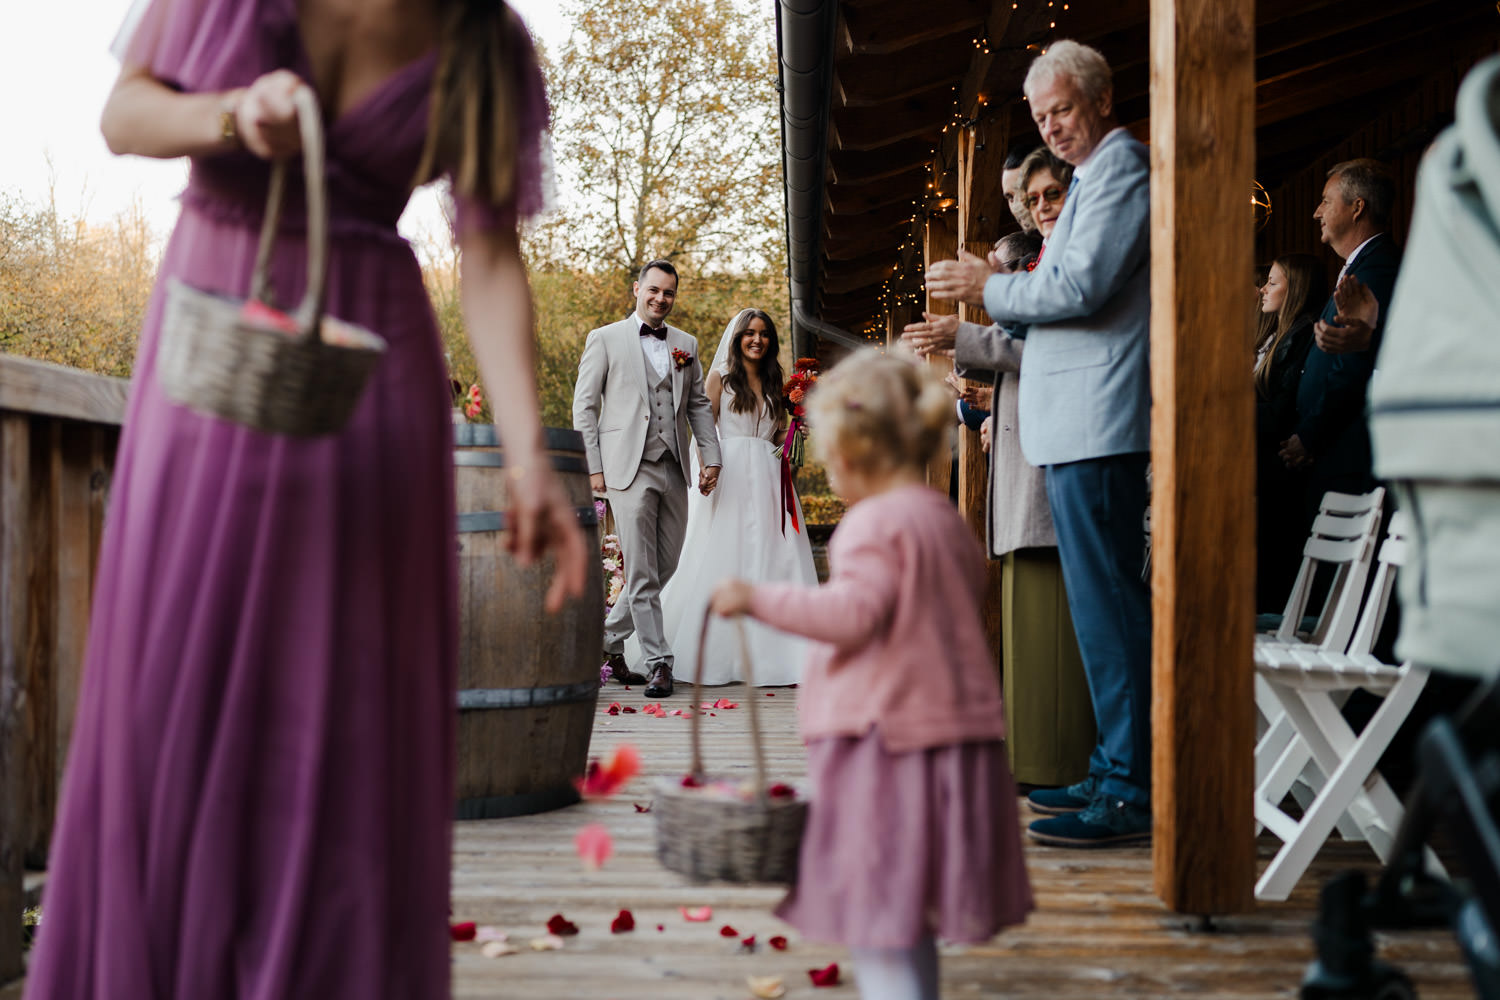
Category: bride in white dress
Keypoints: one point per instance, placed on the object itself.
(743, 528)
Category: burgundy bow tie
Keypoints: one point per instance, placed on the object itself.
(660, 333)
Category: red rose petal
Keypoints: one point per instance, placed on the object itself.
(781, 791)
(727, 931)
(828, 976)
(698, 915)
(778, 942)
(561, 926)
(688, 781)
(640, 808)
(770, 694)
(464, 931)
(748, 942)
(622, 923)
(614, 708)
(661, 927)
(628, 710)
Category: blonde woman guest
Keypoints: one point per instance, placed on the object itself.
(1295, 289)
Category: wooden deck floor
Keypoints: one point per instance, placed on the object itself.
(1098, 930)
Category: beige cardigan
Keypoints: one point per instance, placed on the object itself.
(1019, 516)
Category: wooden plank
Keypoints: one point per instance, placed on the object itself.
(1203, 563)
(1097, 932)
(52, 390)
(39, 780)
(15, 469)
(898, 27)
(79, 519)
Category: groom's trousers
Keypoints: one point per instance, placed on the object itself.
(651, 520)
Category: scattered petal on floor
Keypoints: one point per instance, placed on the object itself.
(462, 932)
(622, 923)
(614, 708)
(594, 845)
(628, 710)
(723, 703)
(559, 925)
(778, 942)
(781, 791)
(697, 915)
(766, 987)
(727, 931)
(640, 808)
(604, 780)
(661, 927)
(547, 942)
(826, 976)
(770, 694)
(488, 933)
(498, 949)
(748, 942)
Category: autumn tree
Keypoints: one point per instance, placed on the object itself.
(665, 119)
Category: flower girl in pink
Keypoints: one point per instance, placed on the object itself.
(912, 834)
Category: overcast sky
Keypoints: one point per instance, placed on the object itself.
(55, 71)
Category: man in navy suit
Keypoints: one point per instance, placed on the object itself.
(1085, 412)
(1331, 437)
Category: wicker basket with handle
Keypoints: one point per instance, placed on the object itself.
(708, 836)
(218, 358)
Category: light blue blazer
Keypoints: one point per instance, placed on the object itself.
(1086, 375)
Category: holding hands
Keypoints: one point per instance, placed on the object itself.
(961, 280)
(1353, 328)
(708, 479)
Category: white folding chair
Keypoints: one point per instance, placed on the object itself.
(1309, 684)
(1342, 539)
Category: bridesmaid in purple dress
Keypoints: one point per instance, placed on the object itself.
(259, 788)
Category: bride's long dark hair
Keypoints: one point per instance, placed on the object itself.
(769, 369)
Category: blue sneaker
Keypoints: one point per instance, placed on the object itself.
(1059, 801)
(1106, 823)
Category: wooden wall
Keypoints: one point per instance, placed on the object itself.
(1398, 137)
(58, 433)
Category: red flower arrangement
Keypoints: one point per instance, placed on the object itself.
(680, 358)
(794, 445)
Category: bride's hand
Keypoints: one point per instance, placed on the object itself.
(731, 597)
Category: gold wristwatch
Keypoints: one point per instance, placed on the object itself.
(229, 129)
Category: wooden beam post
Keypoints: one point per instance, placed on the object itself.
(1203, 565)
(939, 242)
(981, 211)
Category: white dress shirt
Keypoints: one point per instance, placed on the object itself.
(657, 351)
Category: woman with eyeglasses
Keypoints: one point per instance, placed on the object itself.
(1044, 183)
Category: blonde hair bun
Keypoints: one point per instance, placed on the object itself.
(881, 411)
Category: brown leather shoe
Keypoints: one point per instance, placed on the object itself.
(620, 672)
(660, 685)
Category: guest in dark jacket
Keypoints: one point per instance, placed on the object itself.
(1331, 437)
(1294, 290)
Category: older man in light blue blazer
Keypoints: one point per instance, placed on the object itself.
(1085, 408)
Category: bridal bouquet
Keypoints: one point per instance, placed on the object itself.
(614, 570)
(804, 377)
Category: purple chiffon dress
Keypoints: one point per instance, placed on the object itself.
(259, 790)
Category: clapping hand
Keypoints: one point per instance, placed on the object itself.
(730, 597)
(934, 335)
(984, 434)
(1353, 329)
(961, 279)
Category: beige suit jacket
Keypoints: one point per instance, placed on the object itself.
(611, 402)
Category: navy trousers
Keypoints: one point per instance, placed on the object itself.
(1097, 507)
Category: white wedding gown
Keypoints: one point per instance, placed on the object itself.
(735, 531)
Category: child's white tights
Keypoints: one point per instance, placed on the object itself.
(898, 973)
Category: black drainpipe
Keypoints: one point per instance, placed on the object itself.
(804, 44)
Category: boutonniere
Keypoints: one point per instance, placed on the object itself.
(680, 358)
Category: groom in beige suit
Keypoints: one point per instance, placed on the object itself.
(640, 385)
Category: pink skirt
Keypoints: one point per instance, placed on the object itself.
(904, 846)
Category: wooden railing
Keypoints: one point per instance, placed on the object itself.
(59, 429)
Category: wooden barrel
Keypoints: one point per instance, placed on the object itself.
(528, 681)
